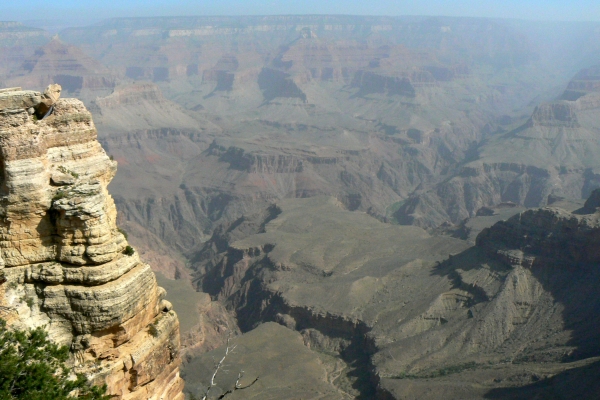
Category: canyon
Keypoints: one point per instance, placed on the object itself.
(354, 200)
(411, 315)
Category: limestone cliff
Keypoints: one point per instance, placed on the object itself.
(64, 263)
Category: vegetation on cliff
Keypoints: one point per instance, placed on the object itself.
(33, 368)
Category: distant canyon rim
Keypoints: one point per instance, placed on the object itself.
(381, 207)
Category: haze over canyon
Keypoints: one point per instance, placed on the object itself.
(365, 206)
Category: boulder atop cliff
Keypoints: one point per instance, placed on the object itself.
(34, 102)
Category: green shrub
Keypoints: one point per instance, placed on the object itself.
(61, 194)
(68, 171)
(33, 368)
(152, 330)
(448, 370)
(129, 250)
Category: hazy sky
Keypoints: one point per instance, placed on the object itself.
(525, 9)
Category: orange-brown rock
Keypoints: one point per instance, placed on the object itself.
(64, 263)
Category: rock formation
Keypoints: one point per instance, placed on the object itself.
(554, 153)
(67, 65)
(139, 106)
(546, 237)
(417, 316)
(65, 264)
(17, 42)
(586, 81)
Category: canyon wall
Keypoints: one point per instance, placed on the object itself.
(17, 42)
(554, 153)
(64, 263)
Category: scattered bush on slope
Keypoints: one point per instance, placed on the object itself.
(33, 368)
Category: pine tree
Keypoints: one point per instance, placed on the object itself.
(33, 368)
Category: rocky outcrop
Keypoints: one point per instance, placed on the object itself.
(274, 83)
(257, 163)
(555, 115)
(65, 264)
(586, 81)
(591, 204)
(554, 153)
(369, 82)
(547, 236)
(226, 74)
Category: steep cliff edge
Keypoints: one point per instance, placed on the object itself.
(64, 263)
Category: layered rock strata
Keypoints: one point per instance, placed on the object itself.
(64, 263)
(547, 236)
(67, 65)
(554, 153)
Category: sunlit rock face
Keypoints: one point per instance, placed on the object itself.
(65, 264)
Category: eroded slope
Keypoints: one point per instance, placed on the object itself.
(420, 316)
